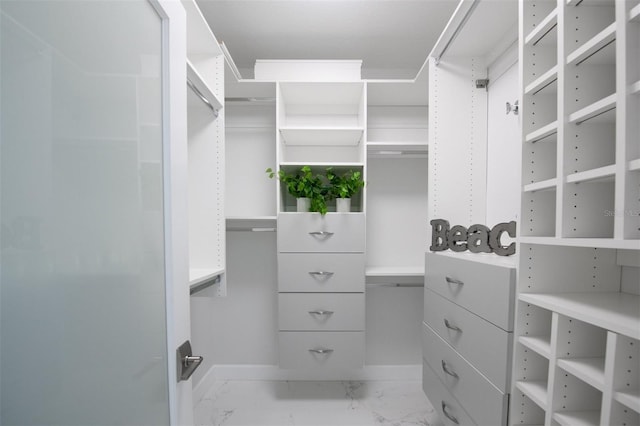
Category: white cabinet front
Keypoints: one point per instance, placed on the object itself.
(325, 351)
(321, 272)
(450, 410)
(312, 232)
(321, 312)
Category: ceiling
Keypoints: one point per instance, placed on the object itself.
(392, 37)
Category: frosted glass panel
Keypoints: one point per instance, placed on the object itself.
(82, 287)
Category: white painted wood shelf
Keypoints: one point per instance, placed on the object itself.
(629, 399)
(605, 173)
(634, 165)
(618, 312)
(544, 185)
(589, 370)
(543, 28)
(591, 47)
(536, 391)
(543, 132)
(599, 109)
(321, 136)
(634, 14)
(254, 224)
(416, 149)
(542, 82)
(194, 77)
(578, 418)
(198, 276)
(394, 275)
(540, 345)
(583, 242)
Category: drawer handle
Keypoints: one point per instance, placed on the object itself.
(321, 273)
(453, 281)
(320, 312)
(448, 371)
(451, 327)
(321, 351)
(321, 233)
(447, 415)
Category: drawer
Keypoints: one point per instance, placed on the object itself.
(303, 350)
(312, 232)
(485, 346)
(321, 311)
(321, 272)
(463, 381)
(484, 289)
(450, 411)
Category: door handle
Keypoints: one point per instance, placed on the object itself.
(450, 326)
(186, 362)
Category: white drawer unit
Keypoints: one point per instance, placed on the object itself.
(450, 410)
(467, 333)
(486, 346)
(464, 381)
(321, 272)
(321, 312)
(485, 289)
(312, 232)
(321, 351)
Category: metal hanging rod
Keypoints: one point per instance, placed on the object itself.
(205, 284)
(201, 96)
(415, 285)
(265, 100)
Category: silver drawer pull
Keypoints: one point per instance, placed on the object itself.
(447, 415)
(451, 327)
(321, 351)
(446, 369)
(453, 281)
(320, 312)
(321, 273)
(321, 233)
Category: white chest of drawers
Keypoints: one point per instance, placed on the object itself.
(321, 277)
(468, 337)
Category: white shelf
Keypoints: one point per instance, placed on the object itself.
(291, 165)
(629, 399)
(255, 223)
(601, 173)
(542, 82)
(543, 132)
(578, 418)
(397, 149)
(635, 88)
(540, 345)
(546, 25)
(634, 165)
(535, 391)
(618, 312)
(592, 46)
(594, 110)
(634, 14)
(541, 186)
(589, 370)
(583, 242)
(196, 79)
(395, 274)
(322, 136)
(198, 276)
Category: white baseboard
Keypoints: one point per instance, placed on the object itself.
(205, 383)
(273, 372)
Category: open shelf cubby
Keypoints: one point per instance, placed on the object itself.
(574, 401)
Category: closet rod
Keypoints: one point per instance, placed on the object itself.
(395, 285)
(206, 284)
(201, 96)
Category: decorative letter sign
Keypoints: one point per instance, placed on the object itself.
(476, 239)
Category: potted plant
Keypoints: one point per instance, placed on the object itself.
(306, 187)
(343, 187)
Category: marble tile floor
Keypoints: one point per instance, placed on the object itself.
(298, 403)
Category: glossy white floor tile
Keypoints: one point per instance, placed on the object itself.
(280, 403)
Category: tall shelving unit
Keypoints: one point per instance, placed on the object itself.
(577, 327)
(205, 131)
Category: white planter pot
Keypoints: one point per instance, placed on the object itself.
(303, 205)
(343, 205)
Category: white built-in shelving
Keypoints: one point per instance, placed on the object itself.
(397, 155)
(205, 130)
(578, 310)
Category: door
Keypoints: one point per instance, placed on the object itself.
(91, 258)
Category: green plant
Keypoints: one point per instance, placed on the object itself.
(303, 183)
(345, 185)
